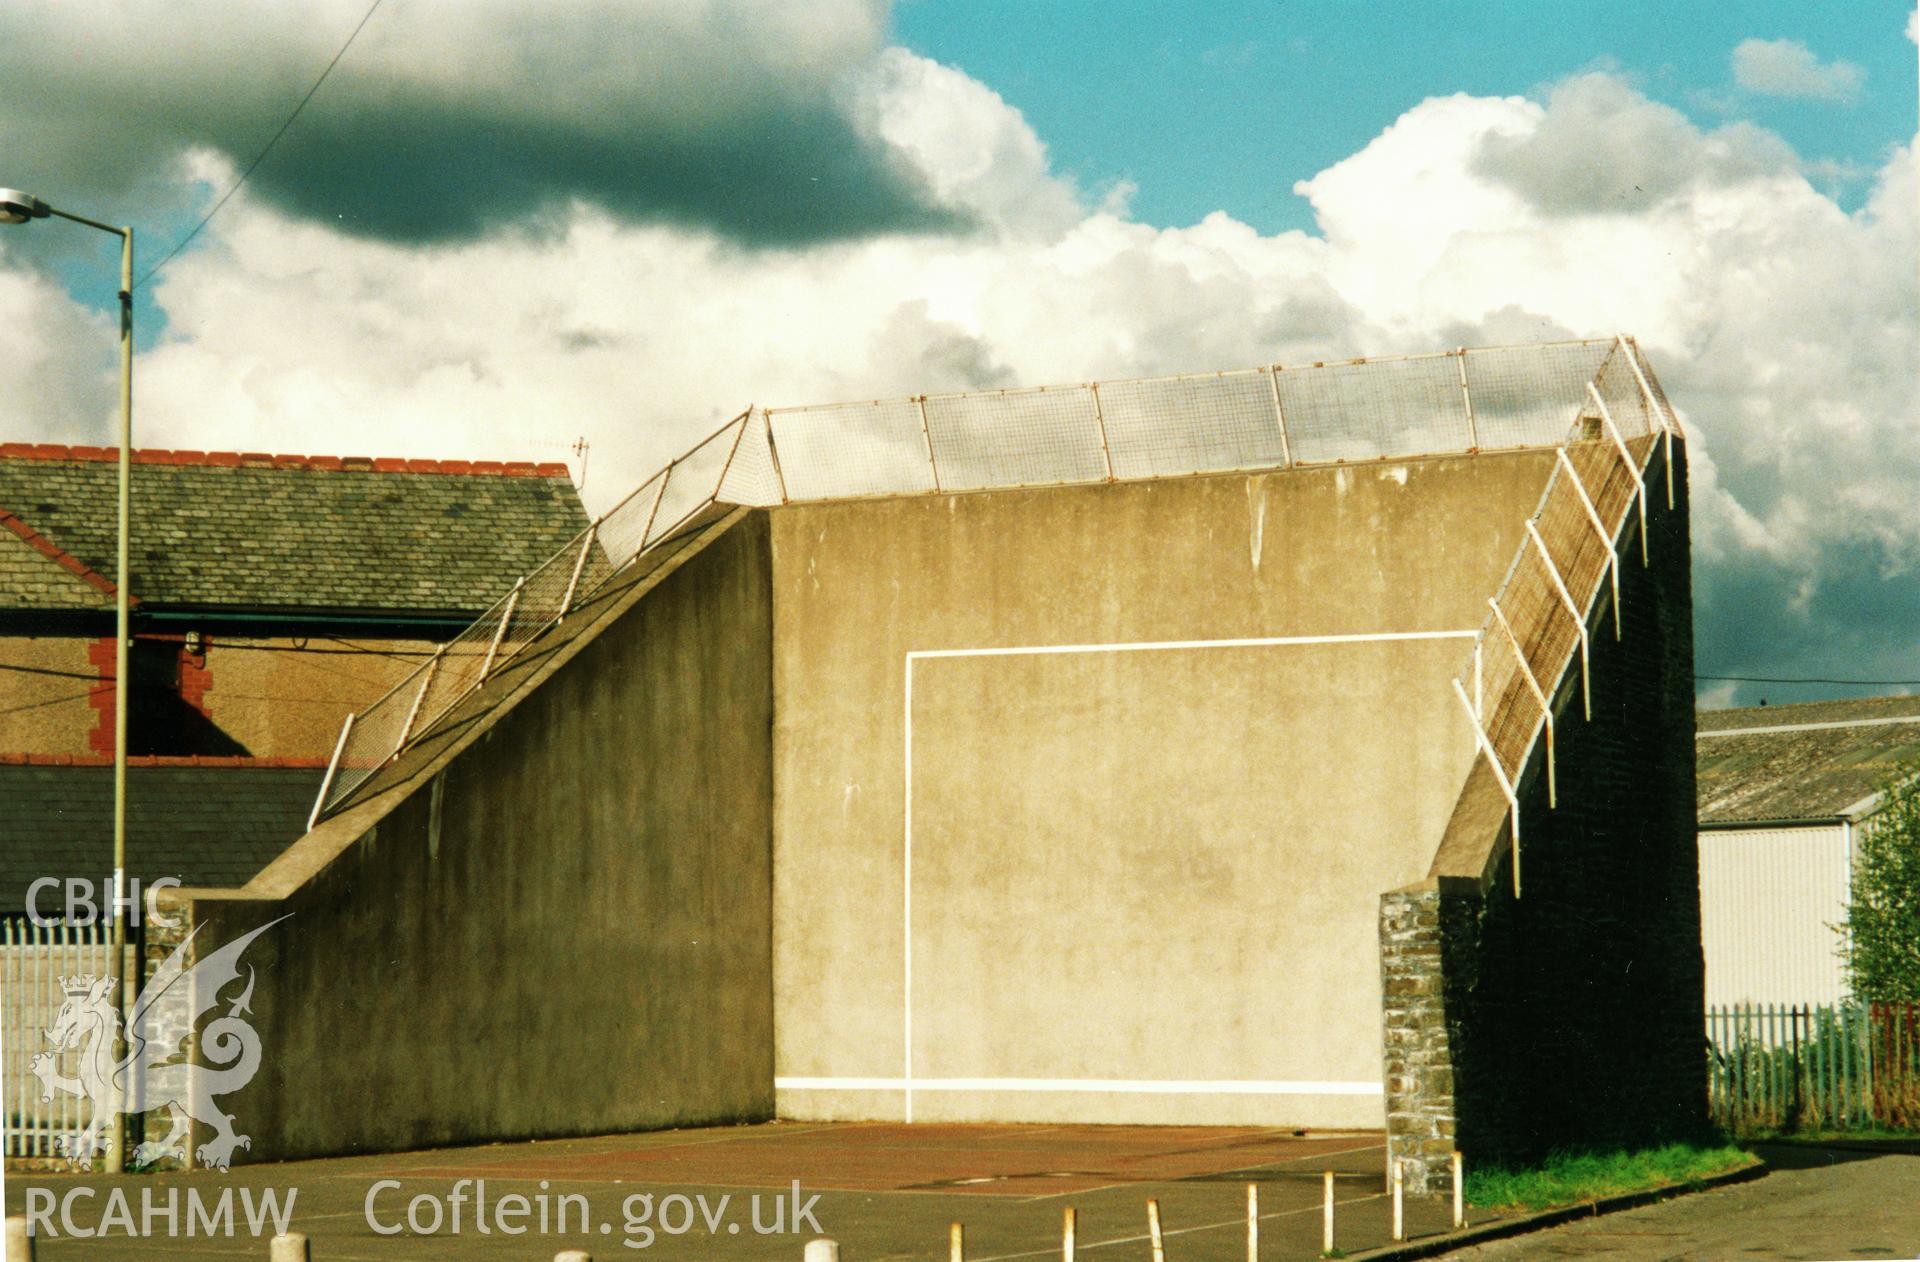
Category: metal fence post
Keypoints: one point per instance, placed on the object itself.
(289, 1247)
(413, 711)
(926, 436)
(1100, 419)
(579, 567)
(1539, 694)
(19, 1240)
(1599, 530)
(1466, 397)
(1573, 610)
(333, 766)
(1506, 785)
(506, 616)
(773, 451)
(1626, 458)
(1280, 417)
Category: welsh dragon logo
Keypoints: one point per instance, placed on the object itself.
(155, 1073)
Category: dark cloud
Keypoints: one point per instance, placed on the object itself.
(1853, 615)
(1604, 147)
(447, 121)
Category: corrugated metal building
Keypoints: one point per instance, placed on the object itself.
(1784, 791)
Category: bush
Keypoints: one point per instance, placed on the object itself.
(1883, 914)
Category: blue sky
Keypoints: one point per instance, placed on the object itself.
(1223, 106)
(624, 223)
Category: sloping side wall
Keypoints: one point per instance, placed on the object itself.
(1570, 1016)
(567, 932)
(1135, 880)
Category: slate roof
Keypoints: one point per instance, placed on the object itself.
(1817, 761)
(205, 825)
(278, 533)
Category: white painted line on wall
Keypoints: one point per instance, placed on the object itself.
(907, 1084)
(1142, 646)
(1103, 1086)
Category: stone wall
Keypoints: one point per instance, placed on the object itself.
(1569, 1016)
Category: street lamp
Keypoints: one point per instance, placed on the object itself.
(18, 207)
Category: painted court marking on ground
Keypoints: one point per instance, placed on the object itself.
(907, 1083)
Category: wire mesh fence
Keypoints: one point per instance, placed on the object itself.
(1584, 393)
(1538, 622)
(645, 518)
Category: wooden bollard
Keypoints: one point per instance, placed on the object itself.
(821, 1249)
(1253, 1223)
(1399, 1201)
(288, 1247)
(19, 1241)
(1459, 1191)
(1067, 1222)
(1326, 1214)
(956, 1243)
(1153, 1231)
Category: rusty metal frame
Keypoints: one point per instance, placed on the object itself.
(1667, 423)
(1500, 773)
(1280, 415)
(506, 616)
(1600, 532)
(1466, 398)
(773, 451)
(579, 567)
(1100, 419)
(1539, 694)
(1573, 611)
(926, 437)
(1626, 458)
(419, 698)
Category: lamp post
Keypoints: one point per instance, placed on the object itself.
(18, 207)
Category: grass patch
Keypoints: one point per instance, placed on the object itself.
(1568, 1178)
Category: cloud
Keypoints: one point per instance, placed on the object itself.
(1601, 146)
(1787, 67)
(441, 124)
(1785, 328)
(57, 362)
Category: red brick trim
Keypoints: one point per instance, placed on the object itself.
(196, 675)
(158, 760)
(265, 460)
(47, 548)
(101, 653)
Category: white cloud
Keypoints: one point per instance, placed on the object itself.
(56, 363)
(1787, 67)
(1785, 328)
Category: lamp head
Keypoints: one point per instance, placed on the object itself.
(18, 207)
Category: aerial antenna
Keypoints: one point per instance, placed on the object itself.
(580, 446)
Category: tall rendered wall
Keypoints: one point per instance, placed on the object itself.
(1569, 1016)
(1138, 880)
(567, 932)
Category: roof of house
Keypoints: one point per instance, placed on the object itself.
(265, 533)
(203, 822)
(1817, 761)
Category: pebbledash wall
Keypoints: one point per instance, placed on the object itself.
(1570, 1015)
(1067, 803)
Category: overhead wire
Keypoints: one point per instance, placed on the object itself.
(207, 218)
